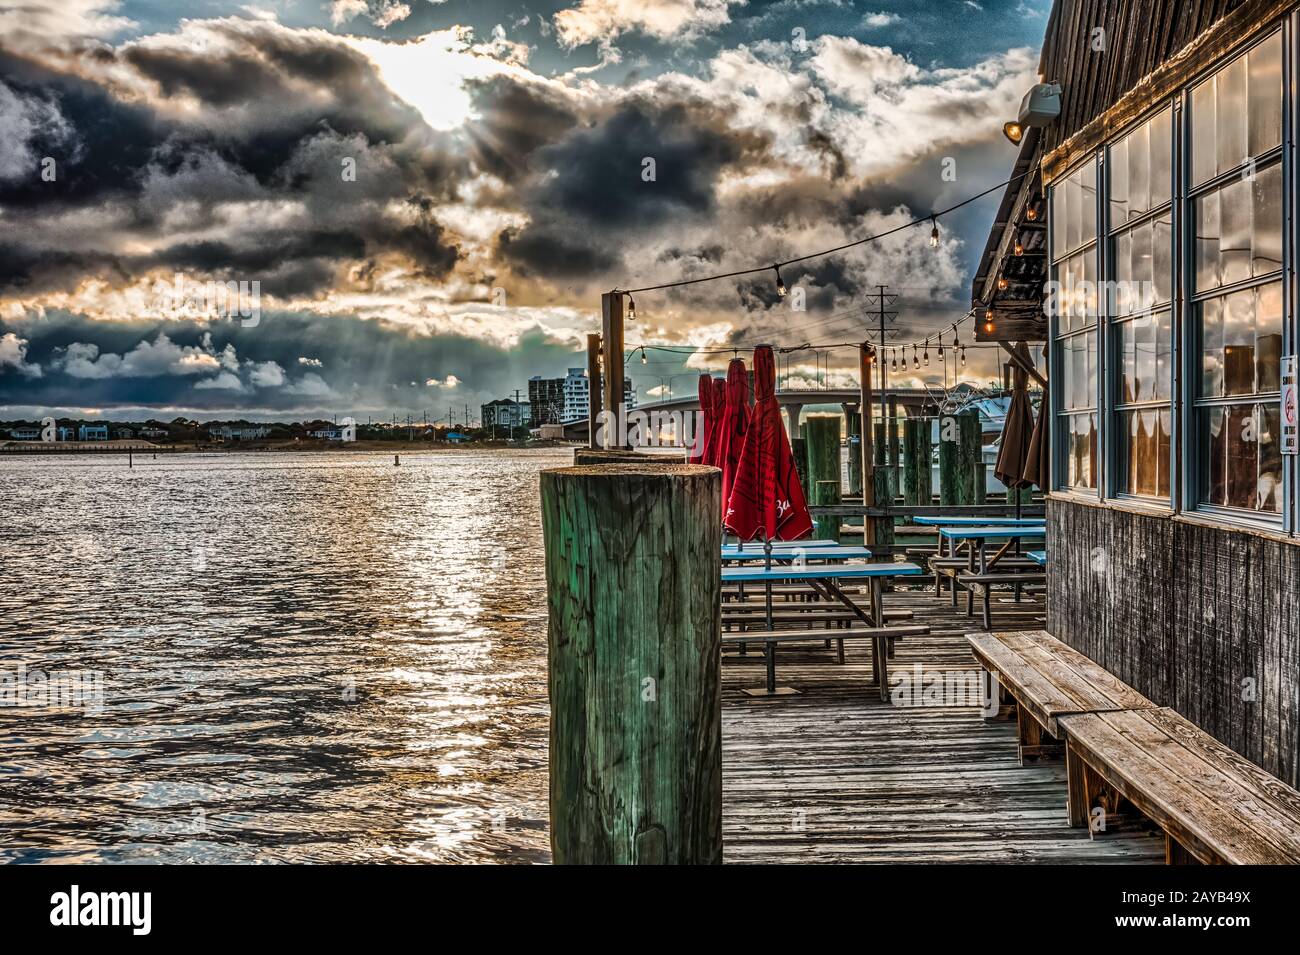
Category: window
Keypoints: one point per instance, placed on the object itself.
(1141, 273)
(1236, 310)
(1181, 218)
(1074, 272)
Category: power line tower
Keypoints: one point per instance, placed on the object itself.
(880, 306)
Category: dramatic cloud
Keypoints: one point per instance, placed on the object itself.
(440, 213)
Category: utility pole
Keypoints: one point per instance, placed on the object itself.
(882, 299)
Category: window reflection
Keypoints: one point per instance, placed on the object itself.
(1241, 461)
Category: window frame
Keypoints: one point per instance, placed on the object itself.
(1189, 338)
(1116, 408)
(1059, 470)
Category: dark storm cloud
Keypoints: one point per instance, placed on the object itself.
(515, 120)
(278, 111)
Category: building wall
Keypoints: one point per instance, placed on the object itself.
(1185, 612)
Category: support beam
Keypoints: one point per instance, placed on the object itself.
(593, 388)
(612, 339)
(866, 358)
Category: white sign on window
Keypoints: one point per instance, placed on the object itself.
(1290, 412)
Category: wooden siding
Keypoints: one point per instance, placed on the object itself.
(1184, 613)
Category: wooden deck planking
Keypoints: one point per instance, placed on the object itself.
(833, 775)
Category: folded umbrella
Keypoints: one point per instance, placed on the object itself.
(766, 497)
(735, 419)
(1016, 430)
(719, 416)
(703, 430)
(1036, 468)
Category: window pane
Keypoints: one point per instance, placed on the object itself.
(1207, 242)
(1203, 132)
(1230, 107)
(1268, 338)
(1162, 258)
(1265, 82)
(1239, 343)
(1211, 312)
(1079, 371)
(1142, 356)
(1266, 215)
(1164, 354)
(1144, 452)
(1240, 463)
(1080, 450)
(1139, 171)
(1119, 183)
(1161, 158)
(1239, 229)
(1088, 184)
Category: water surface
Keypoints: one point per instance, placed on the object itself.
(305, 657)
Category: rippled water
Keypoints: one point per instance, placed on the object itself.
(315, 657)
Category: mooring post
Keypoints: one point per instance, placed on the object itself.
(633, 577)
(916, 462)
(595, 394)
(970, 458)
(826, 493)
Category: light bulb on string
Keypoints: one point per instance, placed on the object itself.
(631, 312)
(644, 360)
(916, 362)
(780, 285)
(1002, 283)
(963, 356)
(893, 362)
(926, 354)
(934, 233)
(941, 347)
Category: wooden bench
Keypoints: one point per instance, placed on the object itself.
(881, 638)
(1214, 805)
(1048, 680)
(1122, 750)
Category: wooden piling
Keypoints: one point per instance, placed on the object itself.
(582, 456)
(799, 448)
(822, 432)
(826, 528)
(970, 457)
(916, 462)
(633, 596)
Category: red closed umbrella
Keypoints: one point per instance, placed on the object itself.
(735, 418)
(719, 413)
(766, 496)
(703, 431)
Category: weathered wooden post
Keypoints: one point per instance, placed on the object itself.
(826, 493)
(633, 582)
(822, 432)
(595, 394)
(916, 462)
(953, 484)
(970, 457)
(853, 421)
(799, 448)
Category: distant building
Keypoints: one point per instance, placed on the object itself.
(65, 433)
(505, 413)
(92, 432)
(149, 432)
(560, 400)
(124, 434)
(455, 437)
(247, 433)
(329, 434)
(25, 434)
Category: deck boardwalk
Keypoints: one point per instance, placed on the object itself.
(834, 775)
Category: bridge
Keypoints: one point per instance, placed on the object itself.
(792, 401)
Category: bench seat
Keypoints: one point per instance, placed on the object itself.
(1214, 805)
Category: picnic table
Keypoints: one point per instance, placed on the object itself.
(977, 521)
(834, 552)
(982, 577)
(826, 579)
(1039, 557)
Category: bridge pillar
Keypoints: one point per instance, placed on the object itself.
(792, 412)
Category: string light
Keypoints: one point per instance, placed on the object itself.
(1002, 283)
(631, 312)
(893, 363)
(916, 362)
(1031, 213)
(780, 285)
(934, 233)
(1019, 249)
(926, 354)
(963, 356)
(941, 348)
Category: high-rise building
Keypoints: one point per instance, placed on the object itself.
(559, 400)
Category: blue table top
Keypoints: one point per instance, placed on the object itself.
(993, 532)
(842, 552)
(1037, 556)
(821, 572)
(780, 545)
(976, 521)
